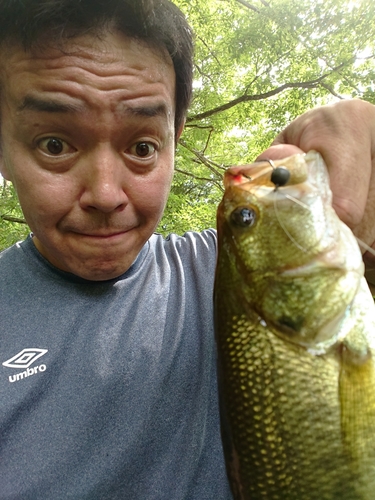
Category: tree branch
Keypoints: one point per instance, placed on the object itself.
(246, 4)
(256, 97)
(208, 140)
(209, 49)
(13, 219)
(201, 127)
(332, 91)
(203, 159)
(205, 179)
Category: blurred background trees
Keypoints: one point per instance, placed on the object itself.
(258, 65)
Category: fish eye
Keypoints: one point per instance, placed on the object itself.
(243, 216)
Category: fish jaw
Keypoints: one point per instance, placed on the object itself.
(260, 173)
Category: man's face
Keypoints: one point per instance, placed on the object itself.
(88, 141)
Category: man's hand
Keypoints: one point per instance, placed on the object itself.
(344, 134)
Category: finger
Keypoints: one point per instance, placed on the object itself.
(342, 134)
(278, 152)
(365, 231)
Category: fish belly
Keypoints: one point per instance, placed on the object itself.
(295, 425)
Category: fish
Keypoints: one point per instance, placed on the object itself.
(295, 335)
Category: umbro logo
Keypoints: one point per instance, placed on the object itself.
(23, 360)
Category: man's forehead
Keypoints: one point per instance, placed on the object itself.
(107, 64)
(111, 49)
(106, 41)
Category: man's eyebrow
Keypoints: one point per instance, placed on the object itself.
(32, 103)
(148, 111)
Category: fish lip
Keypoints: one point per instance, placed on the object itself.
(314, 266)
(325, 260)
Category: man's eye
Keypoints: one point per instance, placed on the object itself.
(53, 146)
(143, 149)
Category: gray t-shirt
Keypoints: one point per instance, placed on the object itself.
(108, 389)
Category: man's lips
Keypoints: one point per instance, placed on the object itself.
(104, 235)
(101, 235)
(98, 231)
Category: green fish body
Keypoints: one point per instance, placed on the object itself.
(295, 331)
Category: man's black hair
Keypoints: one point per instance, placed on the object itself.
(157, 22)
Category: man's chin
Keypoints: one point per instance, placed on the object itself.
(100, 270)
(93, 258)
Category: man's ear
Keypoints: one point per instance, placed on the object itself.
(4, 171)
(180, 130)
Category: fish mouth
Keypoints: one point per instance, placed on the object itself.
(335, 256)
(261, 173)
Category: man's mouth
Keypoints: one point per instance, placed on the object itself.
(104, 234)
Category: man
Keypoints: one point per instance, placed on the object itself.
(108, 386)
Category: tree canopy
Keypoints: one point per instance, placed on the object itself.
(258, 65)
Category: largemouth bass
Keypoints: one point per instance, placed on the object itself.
(295, 327)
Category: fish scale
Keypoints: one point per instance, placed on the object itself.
(266, 383)
(296, 375)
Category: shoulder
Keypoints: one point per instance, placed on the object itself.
(11, 254)
(192, 241)
(192, 246)
(192, 256)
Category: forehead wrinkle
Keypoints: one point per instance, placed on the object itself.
(76, 95)
(82, 61)
(61, 82)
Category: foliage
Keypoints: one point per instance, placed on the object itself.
(12, 225)
(258, 65)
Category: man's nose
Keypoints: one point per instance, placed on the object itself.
(104, 181)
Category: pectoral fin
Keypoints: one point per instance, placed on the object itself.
(357, 397)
